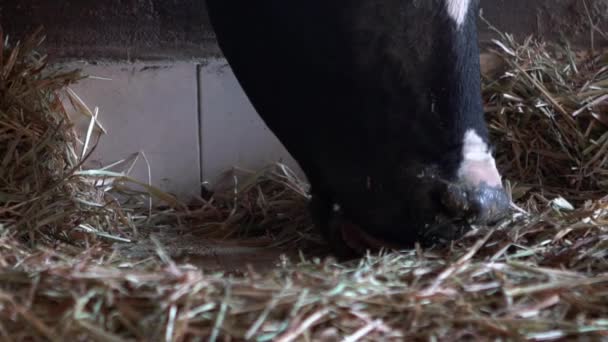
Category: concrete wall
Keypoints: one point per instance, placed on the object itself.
(232, 132)
(150, 109)
(114, 29)
(192, 121)
(166, 90)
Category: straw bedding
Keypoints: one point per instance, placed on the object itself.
(83, 256)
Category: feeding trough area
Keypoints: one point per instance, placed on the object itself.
(96, 254)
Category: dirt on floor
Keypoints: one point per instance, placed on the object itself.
(231, 256)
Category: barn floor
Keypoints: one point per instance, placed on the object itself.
(231, 256)
(78, 264)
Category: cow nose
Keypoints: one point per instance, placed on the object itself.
(481, 204)
(477, 195)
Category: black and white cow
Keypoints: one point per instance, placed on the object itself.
(379, 102)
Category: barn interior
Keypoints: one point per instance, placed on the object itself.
(141, 198)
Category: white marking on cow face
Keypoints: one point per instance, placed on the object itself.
(457, 10)
(478, 166)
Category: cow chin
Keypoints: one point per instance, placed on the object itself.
(427, 209)
(359, 239)
(401, 233)
(394, 224)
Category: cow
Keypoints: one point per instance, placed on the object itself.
(379, 102)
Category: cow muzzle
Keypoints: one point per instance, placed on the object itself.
(479, 204)
(478, 195)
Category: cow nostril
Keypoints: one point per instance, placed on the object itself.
(482, 204)
(455, 199)
(491, 203)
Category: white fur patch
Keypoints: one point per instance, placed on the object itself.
(478, 166)
(457, 10)
(474, 148)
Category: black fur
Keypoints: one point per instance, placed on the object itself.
(365, 94)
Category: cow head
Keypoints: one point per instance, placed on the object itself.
(428, 169)
(379, 102)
